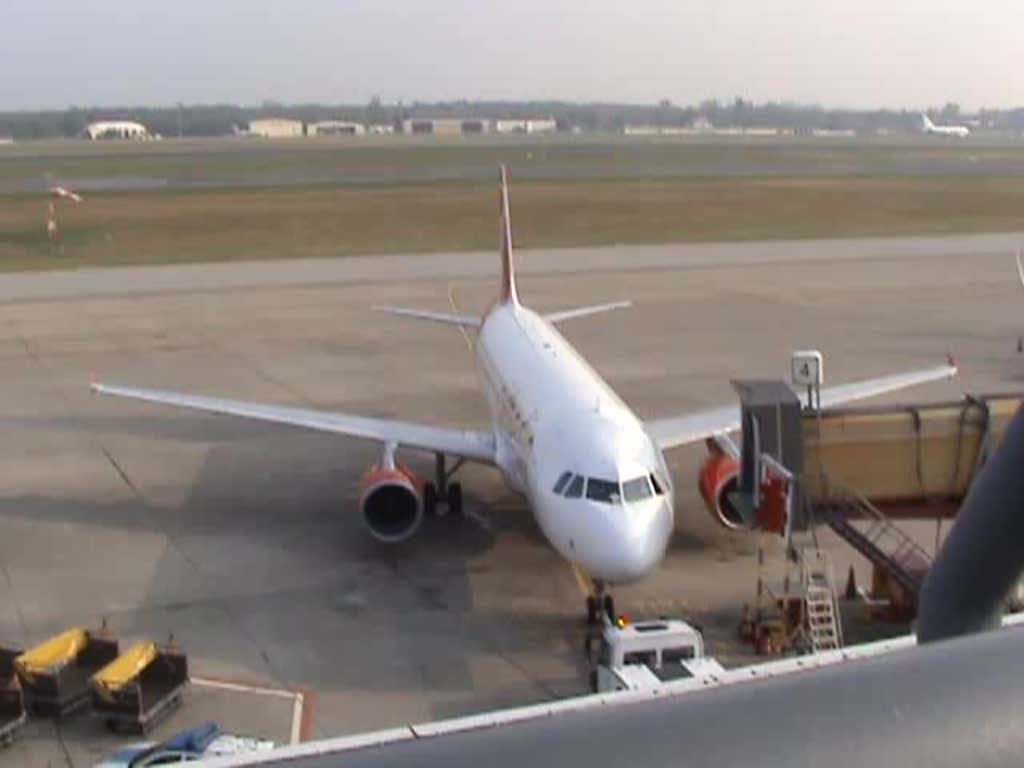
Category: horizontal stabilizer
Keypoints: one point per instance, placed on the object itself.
(437, 317)
(568, 314)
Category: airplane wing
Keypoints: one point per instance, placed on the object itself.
(1020, 268)
(469, 444)
(680, 430)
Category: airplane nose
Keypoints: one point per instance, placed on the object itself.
(641, 540)
(633, 562)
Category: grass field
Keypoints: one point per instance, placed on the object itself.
(175, 202)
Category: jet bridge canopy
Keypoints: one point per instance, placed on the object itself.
(859, 469)
(770, 418)
(909, 460)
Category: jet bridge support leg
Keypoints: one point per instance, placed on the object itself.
(442, 490)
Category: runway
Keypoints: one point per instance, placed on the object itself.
(243, 539)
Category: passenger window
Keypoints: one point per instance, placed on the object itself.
(636, 490)
(670, 655)
(562, 482)
(603, 490)
(647, 658)
(575, 488)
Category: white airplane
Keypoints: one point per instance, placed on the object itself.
(956, 131)
(593, 472)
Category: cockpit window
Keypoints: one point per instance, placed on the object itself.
(562, 482)
(575, 489)
(659, 487)
(603, 490)
(637, 490)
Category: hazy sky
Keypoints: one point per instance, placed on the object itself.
(915, 53)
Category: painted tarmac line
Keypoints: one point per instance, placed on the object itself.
(301, 714)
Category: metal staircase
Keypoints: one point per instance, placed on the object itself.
(882, 542)
(824, 629)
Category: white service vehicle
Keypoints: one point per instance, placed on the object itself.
(641, 656)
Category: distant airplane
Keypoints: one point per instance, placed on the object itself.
(592, 471)
(955, 131)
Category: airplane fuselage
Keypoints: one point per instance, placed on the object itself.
(953, 131)
(553, 416)
(949, 131)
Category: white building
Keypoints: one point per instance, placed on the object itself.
(446, 126)
(703, 129)
(335, 128)
(379, 129)
(834, 133)
(118, 129)
(657, 130)
(528, 125)
(277, 128)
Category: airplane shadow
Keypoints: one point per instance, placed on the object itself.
(264, 566)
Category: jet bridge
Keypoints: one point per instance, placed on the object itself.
(767, 493)
(855, 469)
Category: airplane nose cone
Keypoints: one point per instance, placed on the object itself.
(642, 538)
(633, 563)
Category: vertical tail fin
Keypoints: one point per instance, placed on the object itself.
(508, 270)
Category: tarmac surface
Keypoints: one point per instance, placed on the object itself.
(244, 541)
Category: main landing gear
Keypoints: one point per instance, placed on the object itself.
(442, 491)
(600, 602)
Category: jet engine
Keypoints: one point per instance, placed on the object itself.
(718, 477)
(391, 500)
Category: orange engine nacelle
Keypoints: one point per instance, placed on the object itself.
(392, 502)
(718, 476)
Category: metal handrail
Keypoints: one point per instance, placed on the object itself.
(887, 526)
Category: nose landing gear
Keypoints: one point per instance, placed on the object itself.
(600, 602)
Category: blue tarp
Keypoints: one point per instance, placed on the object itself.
(195, 740)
